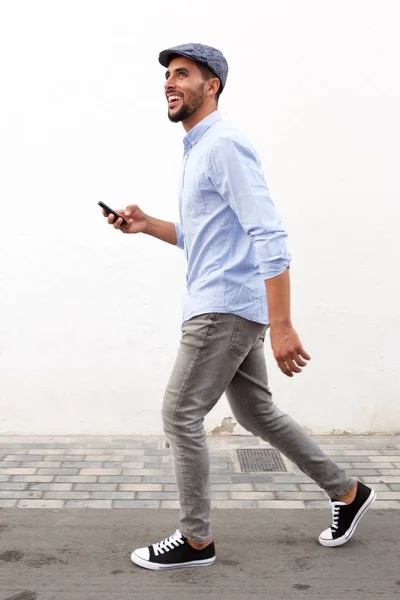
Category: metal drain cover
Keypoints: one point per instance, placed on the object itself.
(262, 459)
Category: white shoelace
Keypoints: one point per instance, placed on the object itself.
(335, 506)
(169, 543)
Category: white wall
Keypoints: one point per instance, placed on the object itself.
(90, 319)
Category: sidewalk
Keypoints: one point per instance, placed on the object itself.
(121, 472)
(64, 551)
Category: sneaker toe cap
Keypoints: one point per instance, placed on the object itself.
(326, 535)
(143, 553)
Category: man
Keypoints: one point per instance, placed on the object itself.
(237, 261)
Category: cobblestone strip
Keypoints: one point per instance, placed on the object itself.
(83, 472)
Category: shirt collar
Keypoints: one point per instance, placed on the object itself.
(193, 136)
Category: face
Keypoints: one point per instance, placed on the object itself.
(184, 89)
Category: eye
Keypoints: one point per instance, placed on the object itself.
(182, 74)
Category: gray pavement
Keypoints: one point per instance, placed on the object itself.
(132, 472)
(261, 554)
(53, 548)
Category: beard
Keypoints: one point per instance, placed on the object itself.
(188, 109)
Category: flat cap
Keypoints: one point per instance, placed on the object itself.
(211, 57)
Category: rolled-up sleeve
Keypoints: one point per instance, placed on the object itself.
(237, 176)
(179, 235)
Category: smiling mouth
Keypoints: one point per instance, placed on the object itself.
(173, 101)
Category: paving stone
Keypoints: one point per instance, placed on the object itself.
(275, 487)
(237, 503)
(95, 487)
(252, 495)
(98, 472)
(27, 458)
(52, 458)
(4, 478)
(140, 487)
(157, 479)
(328, 447)
(386, 504)
(102, 458)
(319, 504)
(81, 464)
(161, 452)
(309, 487)
(125, 466)
(317, 495)
(136, 503)
(389, 495)
(362, 453)
(40, 504)
(20, 494)
(390, 472)
(51, 486)
(13, 465)
(281, 504)
(238, 487)
(13, 486)
(362, 472)
(351, 459)
(393, 486)
(86, 452)
(384, 458)
(381, 479)
(151, 460)
(32, 478)
(381, 465)
(147, 472)
(156, 496)
(38, 451)
(219, 495)
(170, 504)
(7, 503)
(17, 471)
(88, 504)
(40, 465)
(119, 479)
(59, 471)
(381, 487)
(75, 479)
(63, 495)
(113, 495)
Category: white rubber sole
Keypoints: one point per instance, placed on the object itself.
(350, 532)
(146, 564)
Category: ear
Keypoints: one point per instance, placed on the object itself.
(214, 85)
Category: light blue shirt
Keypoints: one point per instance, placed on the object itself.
(229, 229)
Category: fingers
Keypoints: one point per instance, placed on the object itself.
(118, 223)
(130, 209)
(284, 368)
(292, 363)
(303, 353)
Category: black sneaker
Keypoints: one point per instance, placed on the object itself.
(173, 553)
(345, 517)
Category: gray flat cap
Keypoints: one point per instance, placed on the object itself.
(211, 57)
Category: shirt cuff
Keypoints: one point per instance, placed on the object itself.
(274, 267)
(179, 235)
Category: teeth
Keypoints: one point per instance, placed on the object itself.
(171, 98)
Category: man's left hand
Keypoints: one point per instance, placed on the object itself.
(288, 350)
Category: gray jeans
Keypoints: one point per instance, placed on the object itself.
(225, 353)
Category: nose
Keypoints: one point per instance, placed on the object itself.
(168, 85)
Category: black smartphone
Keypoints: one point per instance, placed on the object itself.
(111, 211)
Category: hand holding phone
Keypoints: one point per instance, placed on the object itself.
(110, 211)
